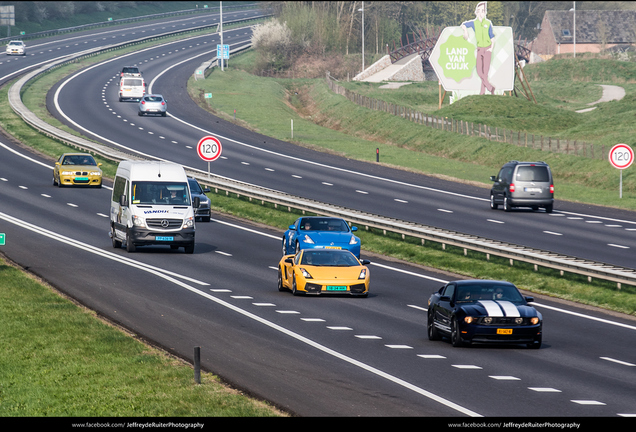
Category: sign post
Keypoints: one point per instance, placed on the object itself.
(209, 149)
(621, 156)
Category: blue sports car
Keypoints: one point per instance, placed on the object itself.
(317, 232)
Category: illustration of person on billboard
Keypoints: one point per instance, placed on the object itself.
(485, 41)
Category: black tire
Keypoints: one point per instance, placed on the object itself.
(280, 281)
(506, 204)
(433, 334)
(548, 208)
(294, 290)
(116, 243)
(456, 338)
(493, 205)
(130, 246)
(284, 247)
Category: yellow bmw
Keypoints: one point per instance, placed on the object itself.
(75, 169)
(323, 271)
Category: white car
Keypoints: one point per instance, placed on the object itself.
(16, 48)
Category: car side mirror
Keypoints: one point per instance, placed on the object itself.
(123, 200)
(493, 178)
(196, 202)
(444, 298)
(292, 227)
(354, 228)
(99, 164)
(289, 260)
(365, 262)
(206, 190)
(529, 299)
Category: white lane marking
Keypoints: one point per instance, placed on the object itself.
(327, 184)
(553, 233)
(627, 326)
(362, 192)
(504, 378)
(287, 312)
(445, 211)
(367, 337)
(431, 356)
(495, 221)
(401, 201)
(468, 367)
(263, 304)
(72, 205)
(618, 361)
(339, 328)
(399, 346)
(313, 319)
(587, 402)
(418, 307)
(618, 246)
(283, 330)
(223, 253)
(242, 297)
(220, 290)
(544, 389)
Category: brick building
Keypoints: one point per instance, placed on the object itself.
(595, 31)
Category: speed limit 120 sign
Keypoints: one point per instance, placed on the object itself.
(209, 148)
(621, 156)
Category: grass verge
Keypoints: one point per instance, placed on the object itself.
(60, 360)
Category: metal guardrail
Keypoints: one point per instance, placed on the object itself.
(537, 257)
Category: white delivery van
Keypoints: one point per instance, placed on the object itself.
(131, 87)
(151, 205)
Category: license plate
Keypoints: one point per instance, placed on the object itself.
(504, 331)
(81, 178)
(333, 247)
(536, 190)
(336, 288)
(163, 238)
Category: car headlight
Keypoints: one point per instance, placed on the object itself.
(188, 223)
(469, 319)
(94, 173)
(68, 172)
(308, 239)
(534, 320)
(487, 320)
(363, 274)
(139, 221)
(305, 273)
(353, 240)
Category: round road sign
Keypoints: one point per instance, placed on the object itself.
(621, 156)
(209, 148)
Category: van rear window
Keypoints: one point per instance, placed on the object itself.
(132, 82)
(533, 173)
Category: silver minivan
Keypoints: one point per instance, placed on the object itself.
(523, 184)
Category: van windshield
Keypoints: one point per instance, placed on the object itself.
(533, 173)
(132, 82)
(160, 193)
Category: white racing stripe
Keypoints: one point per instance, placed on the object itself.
(492, 309)
(509, 309)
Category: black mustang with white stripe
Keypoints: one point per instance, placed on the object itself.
(485, 311)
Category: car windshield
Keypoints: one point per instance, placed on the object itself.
(131, 70)
(79, 160)
(15, 43)
(194, 186)
(153, 98)
(476, 292)
(159, 193)
(324, 224)
(329, 258)
(533, 173)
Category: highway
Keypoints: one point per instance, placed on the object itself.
(326, 356)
